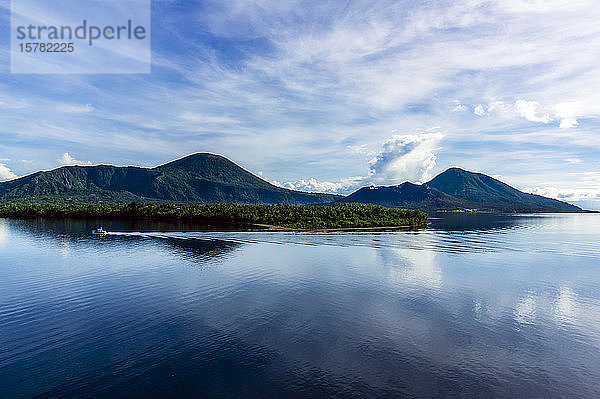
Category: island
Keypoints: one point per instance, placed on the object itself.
(274, 216)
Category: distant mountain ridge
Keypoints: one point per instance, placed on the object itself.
(457, 189)
(199, 178)
(209, 179)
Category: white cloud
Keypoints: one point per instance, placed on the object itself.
(358, 149)
(405, 157)
(10, 103)
(196, 118)
(528, 110)
(313, 185)
(567, 113)
(458, 107)
(401, 158)
(499, 106)
(579, 188)
(565, 194)
(573, 161)
(543, 6)
(567, 123)
(75, 108)
(68, 160)
(5, 173)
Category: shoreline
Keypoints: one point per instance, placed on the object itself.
(268, 227)
(248, 227)
(344, 217)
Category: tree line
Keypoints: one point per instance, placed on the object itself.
(349, 215)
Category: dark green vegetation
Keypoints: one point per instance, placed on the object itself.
(458, 189)
(288, 216)
(213, 179)
(198, 178)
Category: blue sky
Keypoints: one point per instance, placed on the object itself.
(319, 95)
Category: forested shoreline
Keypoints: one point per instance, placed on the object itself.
(302, 217)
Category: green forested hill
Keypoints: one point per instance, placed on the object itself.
(212, 179)
(457, 189)
(199, 178)
(406, 195)
(485, 192)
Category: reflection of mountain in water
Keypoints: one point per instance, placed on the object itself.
(469, 221)
(199, 249)
(83, 227)
(71, 232)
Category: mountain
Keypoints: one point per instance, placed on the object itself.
(208, 179)
(198, 178)
(459, 189)
(405, 195)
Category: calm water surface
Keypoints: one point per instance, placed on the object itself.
(473, 306)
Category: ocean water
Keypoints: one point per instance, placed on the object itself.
(473, 306)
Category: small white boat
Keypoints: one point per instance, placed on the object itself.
(99, 232)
